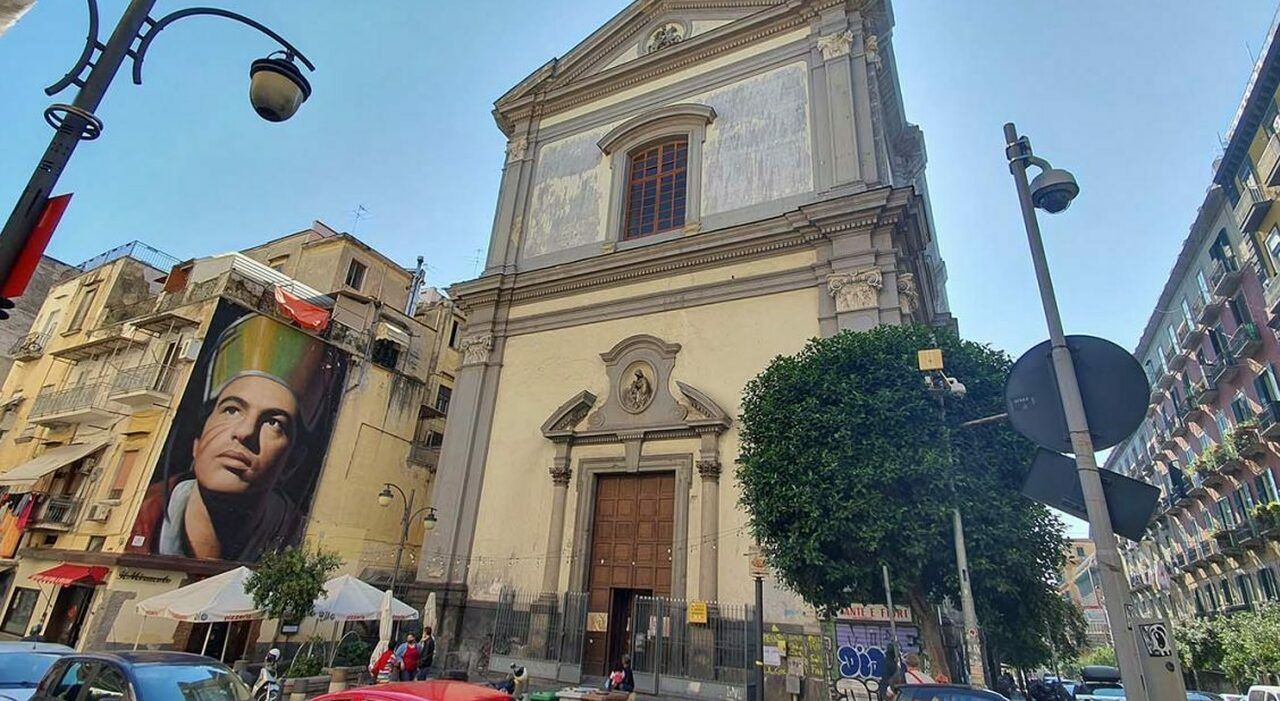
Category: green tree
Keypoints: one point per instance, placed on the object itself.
(1251, 644)
(845, 465)
(1199, 642)
(287, 583)
(1105, 656)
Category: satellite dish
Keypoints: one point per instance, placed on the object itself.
(1112, 385)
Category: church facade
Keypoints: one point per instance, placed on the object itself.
(696, 188)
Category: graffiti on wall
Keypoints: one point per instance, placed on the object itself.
(858, 656)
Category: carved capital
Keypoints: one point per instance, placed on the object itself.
(857, 290)
(561, 473)
(908, 293)
(516, 149)
(476, 349)
(709, 469)
(835, 45)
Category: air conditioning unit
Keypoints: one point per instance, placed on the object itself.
(190, 350)
(99, 512)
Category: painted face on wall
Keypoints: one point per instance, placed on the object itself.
(246, 439)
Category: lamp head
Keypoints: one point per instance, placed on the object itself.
(429, 521)
(385, 496)
(1053, 189)
(276, 87)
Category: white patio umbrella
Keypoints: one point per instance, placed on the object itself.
(218, 599)
(384, 630)
(429, 612)
(347, 598)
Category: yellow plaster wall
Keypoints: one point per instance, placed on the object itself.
(722, 347)
(774, 264)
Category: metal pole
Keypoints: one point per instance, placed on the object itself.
(32, 201)
(208, 632)
(759, 638)
(138, 635)
(888, 597)
(1114, 587)
(226, 638)
(404, 535)
(972, 647)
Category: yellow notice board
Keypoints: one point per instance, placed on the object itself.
(698, 612)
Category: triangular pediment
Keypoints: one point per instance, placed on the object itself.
(643, 28)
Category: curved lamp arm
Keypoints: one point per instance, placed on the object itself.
(155, 27)
(90, 43)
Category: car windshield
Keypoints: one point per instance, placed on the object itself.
(194, 682)
(1108, 693)
(24, 668)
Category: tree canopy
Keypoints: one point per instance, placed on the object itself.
(287, 583)
(846, 464)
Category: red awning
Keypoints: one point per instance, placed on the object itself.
(302, 312)
(65, 574)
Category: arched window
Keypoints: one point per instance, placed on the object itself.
(656, 187)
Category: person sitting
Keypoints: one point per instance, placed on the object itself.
(621, 678)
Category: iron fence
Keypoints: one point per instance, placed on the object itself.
(665, 644)
(543, 626)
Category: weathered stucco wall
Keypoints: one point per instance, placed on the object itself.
(758, 149)
(722, 347)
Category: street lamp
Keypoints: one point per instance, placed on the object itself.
(277, 89)
(1053, 190)
(429, 519)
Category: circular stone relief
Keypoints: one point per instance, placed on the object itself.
(635, 387)
(664, 36)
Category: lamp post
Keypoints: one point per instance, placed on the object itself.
(1052, 190)
(938, 384)
(277, 89)
(385, 497)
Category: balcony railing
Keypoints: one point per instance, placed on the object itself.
(1189, 334)
(1225, 369)
(1269, 162)
(58, 513)
(69, 401)
(424, 455)
(29, 347)
(1206, 390)
(156, 377)
(1251, 208)
(1245, 341)
(124, 312)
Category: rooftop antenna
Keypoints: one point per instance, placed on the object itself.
(415, 287)
(476, 260)
(357, 214)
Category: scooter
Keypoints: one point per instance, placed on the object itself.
(267, 688)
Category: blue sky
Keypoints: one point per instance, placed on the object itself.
(1130, 96)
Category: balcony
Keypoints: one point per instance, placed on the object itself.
(1154, 399)
(1251, 208)
(1205, 391)
(1189, 335)
(121, 313)
(57, 514)
(1269, 162)
(1231, 540)
(29, 347)
(1166, 379)
(423, 455)
(103, 340)
(1245, 341)
(1224, 370)
(1186, 413)
(144, 386)
(1210, 309)
(86, 404)
(1247, 438)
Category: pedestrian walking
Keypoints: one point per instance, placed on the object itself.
(409, 654)
(428, 645)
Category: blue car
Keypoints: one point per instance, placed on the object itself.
(140, 676)
(24, 664)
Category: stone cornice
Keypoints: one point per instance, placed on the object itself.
(561, 91)
(865, 211)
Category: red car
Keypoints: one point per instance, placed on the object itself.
(437, 690)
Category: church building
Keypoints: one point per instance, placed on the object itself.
(697, 187)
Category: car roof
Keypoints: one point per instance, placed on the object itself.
(149, 657)
(985, 693)
(435, 690)
(16, 646)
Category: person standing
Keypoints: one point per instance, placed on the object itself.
(409, 653)
(428, 653)
(914, 674)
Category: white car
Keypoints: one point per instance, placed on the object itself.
(1264, 693)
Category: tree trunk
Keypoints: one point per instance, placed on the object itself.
(926, 615)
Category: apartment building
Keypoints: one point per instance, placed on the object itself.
(1079, 582)
(1211, 353)
(187, 417)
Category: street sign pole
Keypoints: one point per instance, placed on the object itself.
(1115, 588)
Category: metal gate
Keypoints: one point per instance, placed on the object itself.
(542, 632)
(671, 656)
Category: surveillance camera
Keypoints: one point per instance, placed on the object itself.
(955, 387)
(1053, 189)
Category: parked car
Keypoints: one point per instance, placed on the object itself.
(943, 692)
(140, 676)
(23, 665)
(1234, 697)
(1264, 693)
(435, 690)
(1098, 682)
(1202, 696)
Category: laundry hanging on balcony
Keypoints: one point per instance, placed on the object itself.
(301, 312)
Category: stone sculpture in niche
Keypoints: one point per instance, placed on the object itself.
(637, 394)
(908, 293)
(857, 290)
